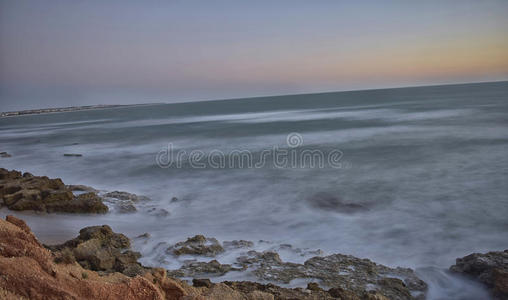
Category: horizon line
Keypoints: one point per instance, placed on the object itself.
(330, 92)
(95, 106)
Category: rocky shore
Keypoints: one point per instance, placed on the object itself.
(39, 193)
(100, 264)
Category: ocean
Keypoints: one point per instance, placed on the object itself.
(419, 177)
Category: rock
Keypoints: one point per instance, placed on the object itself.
(313, 286)
(196, 282)
(19, 223)
(247, 287)
(81, 188)
(237, 244)
(105, 234)
(40, 193)
(158, 212)
(5, 174)
(27, 271)
(88, 202)
(221, 291)
(126, 196)
(330, 202)
(5, 154)
(73, 155)
(125, 208)
(265, 258)
(98, 248)
(197, 245)
(350, 274)
(490, 268)
(145, 235)
(198, 268)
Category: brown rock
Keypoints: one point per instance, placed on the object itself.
(98, 248)
(197, 282)
(40, 193)
(197, 245)
(27, 271)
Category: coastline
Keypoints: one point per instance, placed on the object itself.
(367, 280)
(66, 109)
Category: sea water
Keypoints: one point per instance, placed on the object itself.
(422, 177)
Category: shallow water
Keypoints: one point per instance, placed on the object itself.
(426, 167)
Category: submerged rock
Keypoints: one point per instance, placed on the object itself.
(73, 155)
(125, 196)
(145, 235)
(238, 244)
(490, 268)
(330, 202)
(197, 245)
(125, 208)
(5, 154)
(158, 212)
(40, 193)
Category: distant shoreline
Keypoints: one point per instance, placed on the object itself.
(65, 109)
(102, 106)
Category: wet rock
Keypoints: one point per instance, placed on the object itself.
(145, 235)
(88, 202)
(158, 212)
(125, 208)
(197, 269)
(237, 244)
(196, 282)
(81, 188)
(260, 258)
(5, 154)
(126, 196)
(313, 286)
(98, 248)
(346, 272)
(330, 202)
(490, 268)
(40, 193)
(197, 245)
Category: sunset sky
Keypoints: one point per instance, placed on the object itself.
(61, 53)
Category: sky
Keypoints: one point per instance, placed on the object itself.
(64, 52)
